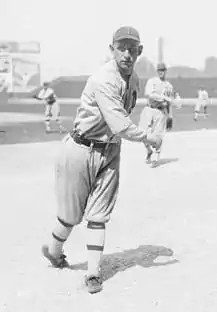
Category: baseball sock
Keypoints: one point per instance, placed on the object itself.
(47, 124)
(60, 234)
(95, 246)
(156, 155)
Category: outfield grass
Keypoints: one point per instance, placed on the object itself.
(30, 127)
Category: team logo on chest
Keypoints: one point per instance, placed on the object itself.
(129, 99)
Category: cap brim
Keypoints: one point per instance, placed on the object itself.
(126, 37)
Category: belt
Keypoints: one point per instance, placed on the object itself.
(79, 139)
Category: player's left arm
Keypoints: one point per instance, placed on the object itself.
(50, 94)
(39, 96)
(169, 94)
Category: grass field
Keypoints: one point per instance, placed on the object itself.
(170, 207)
(22, 123)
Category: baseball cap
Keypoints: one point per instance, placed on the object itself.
(126, 32)
(161, 66)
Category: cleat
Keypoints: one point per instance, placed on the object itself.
(154, 164)
(57, 262)
(93, 284)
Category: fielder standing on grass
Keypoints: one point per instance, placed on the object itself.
(156, 117)
(48, 96)
(202, 102)
(87, 170)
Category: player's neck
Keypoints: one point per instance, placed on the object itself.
(125, 75)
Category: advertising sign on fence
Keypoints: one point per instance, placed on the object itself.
(19, 66)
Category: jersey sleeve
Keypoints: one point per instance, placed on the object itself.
(40, 94)
(149, 88)
(109, 101)
(171, 90)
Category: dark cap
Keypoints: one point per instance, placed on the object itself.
(126, 32)
(161, 66)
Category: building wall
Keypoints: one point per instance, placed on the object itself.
(67, 87)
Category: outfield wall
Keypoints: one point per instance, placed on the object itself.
(187, 87)
(72, 87)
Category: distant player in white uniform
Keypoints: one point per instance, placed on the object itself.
(48, 96)
(202, 102)
(157, 115)
(178, 99)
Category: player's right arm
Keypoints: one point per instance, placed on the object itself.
(40, 95)
(111, 106)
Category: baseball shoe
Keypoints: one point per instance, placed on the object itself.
(148, 157)
(93, 284)
(57, 262)
(154, 164)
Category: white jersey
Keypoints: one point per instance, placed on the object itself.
(203, 96)
(161, 87)
(45, 94)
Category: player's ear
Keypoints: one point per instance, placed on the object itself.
(111, 48)
(140, 50)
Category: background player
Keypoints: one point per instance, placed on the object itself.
(177, 99)
(87, 172)
(48, 96)
(202, 102)
(156, 117)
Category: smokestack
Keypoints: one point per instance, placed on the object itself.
(160, 50)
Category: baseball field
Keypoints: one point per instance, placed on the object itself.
(159, 210)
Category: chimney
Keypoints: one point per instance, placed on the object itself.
(160, 50)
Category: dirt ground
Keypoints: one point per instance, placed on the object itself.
(169, 207)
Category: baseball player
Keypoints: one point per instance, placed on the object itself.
(156, 117)
(87, 169)
(177, 100)
(48, 96)
(202, 102)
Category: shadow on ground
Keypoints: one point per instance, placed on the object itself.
(143, 256)
(165, 161)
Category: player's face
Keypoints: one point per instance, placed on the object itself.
(125, 53)
(162, 74)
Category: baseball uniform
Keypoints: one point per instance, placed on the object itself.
(152, 118)
(87, 169)
(202, 100)
(87, 179)
(51, 105)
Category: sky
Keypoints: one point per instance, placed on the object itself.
(75, 34)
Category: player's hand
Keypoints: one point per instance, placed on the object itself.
(154, 140)
(167, 99)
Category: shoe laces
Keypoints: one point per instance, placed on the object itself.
(94, 280)
(62, 260)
